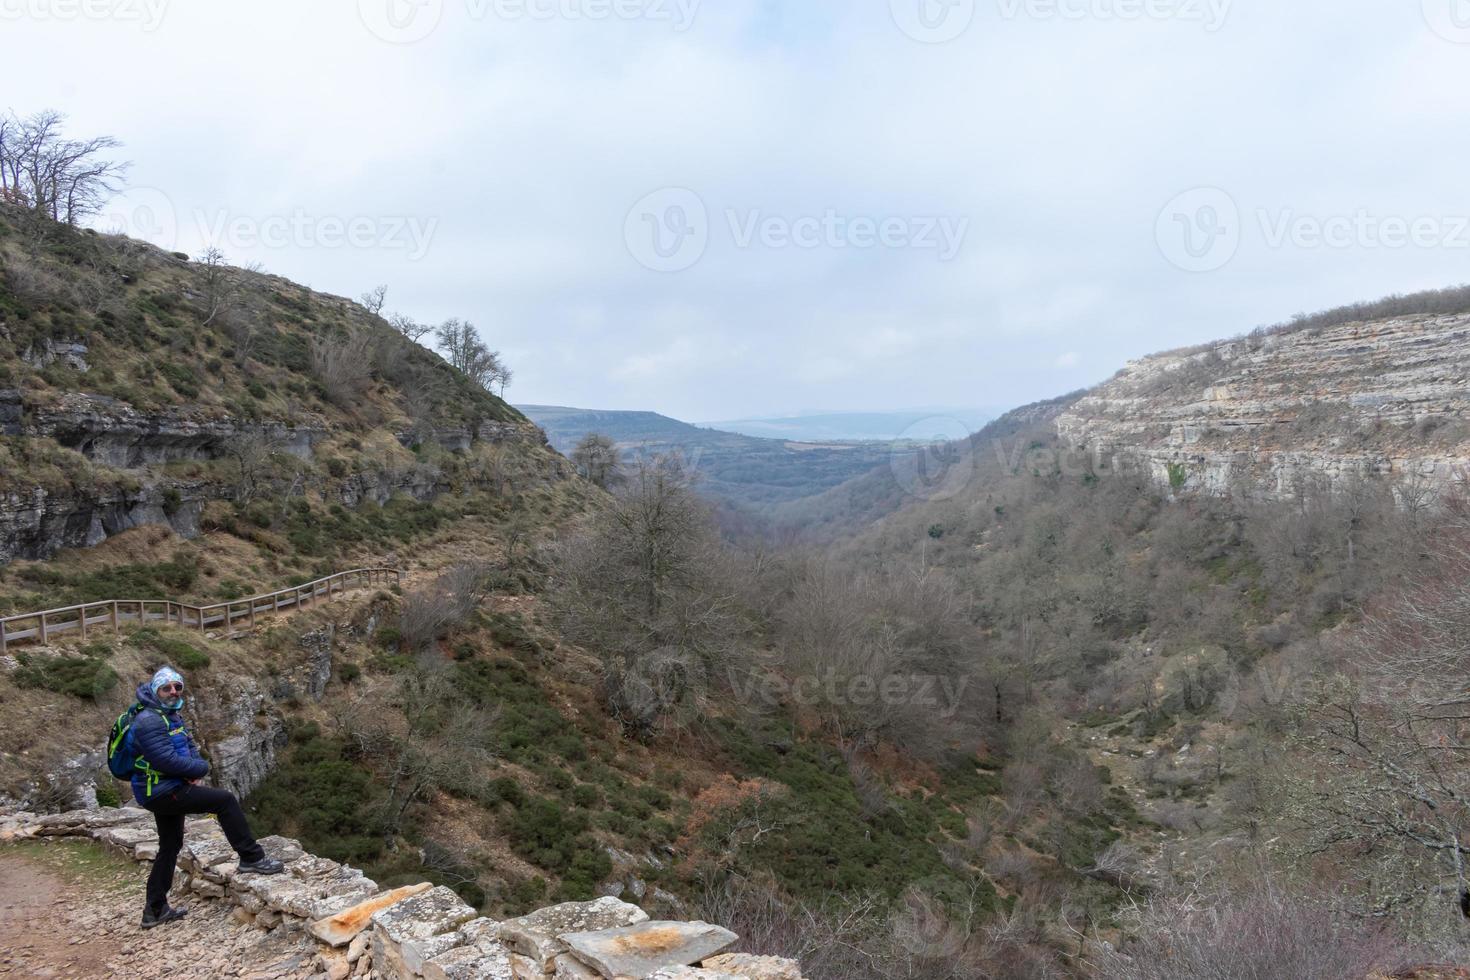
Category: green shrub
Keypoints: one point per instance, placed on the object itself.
(503, 790)
(527, 895)
(107, 794)
(318, 795)
(176, 652)
(83, 677)
(558, 839)
(156, 580)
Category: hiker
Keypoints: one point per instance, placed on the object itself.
(166, 777)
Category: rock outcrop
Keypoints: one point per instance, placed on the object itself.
(1278, 414)
(419, 931)
(37, 521)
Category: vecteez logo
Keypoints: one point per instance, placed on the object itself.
(410, 234)
(147, 14)
(670, 230)
(933, 21)
(934, 459)
(144, 213)
(1450, 19)
(411, 21)
(1199, 230)
(401, 21)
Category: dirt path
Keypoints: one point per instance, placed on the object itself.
(70, 909)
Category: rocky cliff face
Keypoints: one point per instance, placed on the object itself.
(37, 521)
(1279, 414)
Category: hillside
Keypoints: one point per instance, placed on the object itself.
(1374, 391)
(138, 387)
(740, 470)
(507, 721)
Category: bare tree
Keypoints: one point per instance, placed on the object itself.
(642, 585)
(373, 299)
(425, 732)
(464, 349)
(254, 455)
(410, 327)
(59, 179)
(427, 614)
(597, 459)
(343, 363)
(224, 285)
(1266, 932)
(1388, 739)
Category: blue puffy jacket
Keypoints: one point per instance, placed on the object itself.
(167, 752)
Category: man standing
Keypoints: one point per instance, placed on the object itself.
(166, 777)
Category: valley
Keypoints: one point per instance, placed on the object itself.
(993, 707)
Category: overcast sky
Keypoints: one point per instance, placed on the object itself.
(734, 208)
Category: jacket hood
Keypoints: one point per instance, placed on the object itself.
(147, 698)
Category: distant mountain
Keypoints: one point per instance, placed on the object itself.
(865, 426)
(743, 470)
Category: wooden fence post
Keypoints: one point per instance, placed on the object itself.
(42, 633)
(114, 618)
(82, 622)
(2, 636)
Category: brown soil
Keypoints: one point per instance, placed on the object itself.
(72, 910)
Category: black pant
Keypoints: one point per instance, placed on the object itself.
(171, 809)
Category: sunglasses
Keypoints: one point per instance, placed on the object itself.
(171, 689)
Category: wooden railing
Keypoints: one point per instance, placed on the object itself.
(110, 614)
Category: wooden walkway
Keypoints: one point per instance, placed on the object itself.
(111, 614)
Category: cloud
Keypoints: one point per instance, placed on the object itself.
(529, 139)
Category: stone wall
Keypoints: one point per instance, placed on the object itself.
(420, 931)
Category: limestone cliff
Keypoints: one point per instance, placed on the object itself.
(1280, 412)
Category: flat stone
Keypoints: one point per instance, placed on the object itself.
(146, 851)
(568, 967)
(415, 954)
(206, 854)
(525, 968)
(483, 961)
(538, 935)
(648, 947)
(432, 913)
(208, 889)
(481, 930)
(340, 929)
(75, 820)
(755, 967)
(692, 973)
(307, 899)
(283, 849)
(128, 836)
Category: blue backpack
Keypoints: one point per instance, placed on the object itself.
(122, 760)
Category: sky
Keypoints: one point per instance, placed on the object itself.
(726, 209)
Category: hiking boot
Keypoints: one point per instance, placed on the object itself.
(265, 866)
(151, 918)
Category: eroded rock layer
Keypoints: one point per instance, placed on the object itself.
(1278, 414)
